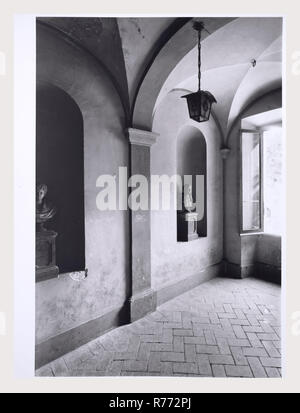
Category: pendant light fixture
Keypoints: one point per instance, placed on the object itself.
(200, 102)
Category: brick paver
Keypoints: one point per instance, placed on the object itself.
(223, 328)
(218, 371)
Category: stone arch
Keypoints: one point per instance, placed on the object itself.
(51, 68)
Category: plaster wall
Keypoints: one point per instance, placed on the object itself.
(173, 261)
(63, 304)
(269, 250)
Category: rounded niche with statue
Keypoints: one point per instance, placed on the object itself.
(46, 267)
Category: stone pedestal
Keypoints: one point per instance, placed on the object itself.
(143, 299)
(45, 263)
(187, 226)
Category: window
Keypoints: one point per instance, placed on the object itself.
(261, 180)
(273, 194)
(251, 163)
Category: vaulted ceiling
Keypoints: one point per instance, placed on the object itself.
(227, 69)
(148, 58)
(155, 67)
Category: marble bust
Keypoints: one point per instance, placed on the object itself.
(189, 204)
(44, 210)
(187, 220)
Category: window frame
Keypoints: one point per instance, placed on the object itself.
(259, 230)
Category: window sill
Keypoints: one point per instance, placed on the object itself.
(246, 234)
(260, 233)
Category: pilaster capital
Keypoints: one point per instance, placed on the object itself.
(141, 137)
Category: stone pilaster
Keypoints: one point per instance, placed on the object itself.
(143, 299)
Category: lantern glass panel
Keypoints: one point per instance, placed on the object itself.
(199, 105)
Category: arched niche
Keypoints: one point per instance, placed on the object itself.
(191, 155)
(60, 165)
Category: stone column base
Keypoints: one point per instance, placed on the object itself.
(142, 304)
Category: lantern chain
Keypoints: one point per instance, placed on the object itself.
(199, 26)
(199, 58)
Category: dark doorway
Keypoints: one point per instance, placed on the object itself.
(60, 165)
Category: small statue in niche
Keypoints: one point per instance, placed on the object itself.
(187, 220)
(44, 210)
(189, 204)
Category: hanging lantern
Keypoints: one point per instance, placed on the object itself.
(199, 103)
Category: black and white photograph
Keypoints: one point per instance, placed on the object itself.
(159, 211)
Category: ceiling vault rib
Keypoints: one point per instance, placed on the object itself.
(157, 47)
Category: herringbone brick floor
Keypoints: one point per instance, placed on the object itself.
(223, 328)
